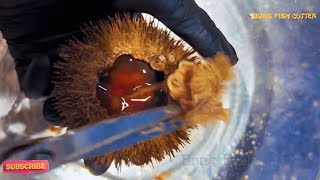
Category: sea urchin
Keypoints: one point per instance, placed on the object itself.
(128, 65)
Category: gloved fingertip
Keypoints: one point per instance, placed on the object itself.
(234, 59)
(230, 51)
(95, 168)
(35, 82)
(50, 114)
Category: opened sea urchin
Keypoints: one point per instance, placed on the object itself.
(129, 65)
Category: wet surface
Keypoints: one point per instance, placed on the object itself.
(291, 146)
(129, 86)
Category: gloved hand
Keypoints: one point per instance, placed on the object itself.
(35, 29)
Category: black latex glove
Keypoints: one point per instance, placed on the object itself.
(35, 29)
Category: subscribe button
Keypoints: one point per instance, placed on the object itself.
(25, 166)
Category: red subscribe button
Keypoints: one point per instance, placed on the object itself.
(25, 166)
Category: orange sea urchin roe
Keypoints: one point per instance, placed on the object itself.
(128, 87)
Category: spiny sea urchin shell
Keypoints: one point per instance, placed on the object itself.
(85, 62)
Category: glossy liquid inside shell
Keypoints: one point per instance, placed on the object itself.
(129, 86)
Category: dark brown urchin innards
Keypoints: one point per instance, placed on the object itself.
(83, 64)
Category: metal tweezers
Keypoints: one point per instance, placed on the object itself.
(106, 136)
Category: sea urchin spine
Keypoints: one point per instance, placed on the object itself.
(127, 59)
